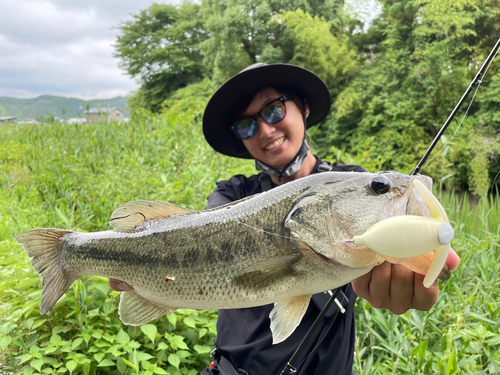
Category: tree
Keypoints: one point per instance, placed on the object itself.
(419, 58)
(160, 47)
(243, 33)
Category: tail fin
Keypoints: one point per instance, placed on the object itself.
(42, 245)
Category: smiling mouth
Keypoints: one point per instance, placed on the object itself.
(275, 144)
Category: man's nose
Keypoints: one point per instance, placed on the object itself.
(265, 129)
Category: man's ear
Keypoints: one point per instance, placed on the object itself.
(306, 108)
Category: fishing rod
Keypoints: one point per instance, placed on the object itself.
(476, 81)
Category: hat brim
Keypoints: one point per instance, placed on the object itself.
(219, 113)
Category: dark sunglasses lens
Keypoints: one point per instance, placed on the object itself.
(274, 113)
(246, 128)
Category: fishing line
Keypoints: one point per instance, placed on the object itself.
(466, 112)
(280, 235)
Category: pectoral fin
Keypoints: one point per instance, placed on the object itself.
(135, 310)
(286, 316)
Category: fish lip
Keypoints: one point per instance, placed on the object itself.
(416, 204)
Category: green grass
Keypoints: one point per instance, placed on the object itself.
(74, 176)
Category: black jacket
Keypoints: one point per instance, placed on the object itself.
(244, 336)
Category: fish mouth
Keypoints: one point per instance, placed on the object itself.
(416, 203)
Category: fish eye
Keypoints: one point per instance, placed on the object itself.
(379, 185)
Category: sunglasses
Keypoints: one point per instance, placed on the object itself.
(272, 113)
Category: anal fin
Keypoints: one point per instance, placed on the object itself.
(135, 310)
(287, 315)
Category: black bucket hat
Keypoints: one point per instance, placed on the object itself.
(219, 113)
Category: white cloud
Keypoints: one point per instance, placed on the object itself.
(63, 47)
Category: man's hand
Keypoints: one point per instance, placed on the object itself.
(398, 289)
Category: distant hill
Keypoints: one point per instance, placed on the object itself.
(45, 104)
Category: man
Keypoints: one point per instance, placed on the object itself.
(263, 113)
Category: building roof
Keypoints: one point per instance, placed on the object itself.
(6, 118)
(101, 110)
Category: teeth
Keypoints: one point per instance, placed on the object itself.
(275, 144)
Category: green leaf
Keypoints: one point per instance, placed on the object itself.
(71, 365)
(162, 346)
(451, 365)
(4, 342)
(99, 356)
(189, 321)
(174, 360)
(141, 356)
(122, 337)
(150, 331)
(25, 357)
(464, 362)
(146, 365)
(134, 344)
(172, 318)
(58, 329)
(103, 288)
(157, 370)
(55, 339)
(76, 343)
(106, 363)
(202, 332)
(86, 368)
(37, 364)
(203, 349)
(130, 364)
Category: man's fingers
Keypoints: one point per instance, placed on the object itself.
(401, 289)
(424, 298)
(361, 285)
(380, 285)
(120, 286)
(453, 260)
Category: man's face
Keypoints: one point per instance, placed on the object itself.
(277, 144)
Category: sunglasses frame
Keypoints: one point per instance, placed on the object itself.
(256, 116)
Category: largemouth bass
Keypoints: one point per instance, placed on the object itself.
(281, 247)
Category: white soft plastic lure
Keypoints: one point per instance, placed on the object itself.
(411, 236)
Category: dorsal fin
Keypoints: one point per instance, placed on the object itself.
(129, 215)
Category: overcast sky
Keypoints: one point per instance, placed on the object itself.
(63, 47)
